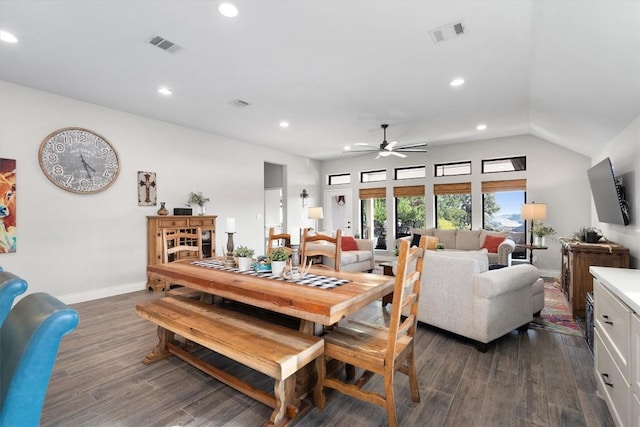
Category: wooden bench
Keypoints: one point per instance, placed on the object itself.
(274, 350)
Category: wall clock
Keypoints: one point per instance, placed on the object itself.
(79, 160)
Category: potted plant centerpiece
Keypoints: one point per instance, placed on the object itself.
(440, 246)
(540, 231)
(199, 200)
(244, 254)
(279, 257)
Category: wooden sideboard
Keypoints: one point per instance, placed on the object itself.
(207, 224)
(577, 257)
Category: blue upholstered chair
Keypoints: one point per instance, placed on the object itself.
(10, 287)
(29, 341)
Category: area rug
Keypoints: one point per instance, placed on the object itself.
(556, 314)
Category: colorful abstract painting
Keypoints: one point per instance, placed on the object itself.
(7, 205)
(147, 191)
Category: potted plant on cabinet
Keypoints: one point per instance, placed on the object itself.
(199, 200)
(279, 257)
(244, 255)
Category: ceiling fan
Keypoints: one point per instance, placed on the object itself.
(387, 149)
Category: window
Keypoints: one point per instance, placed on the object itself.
(453, 205)
(411, 172)
(501, 205)
(373, 219)
(451, 169)
(373, 176)
(343, 178)
(410, 209)
(510, 164)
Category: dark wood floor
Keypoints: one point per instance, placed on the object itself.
(528, 379)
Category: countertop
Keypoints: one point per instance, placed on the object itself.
(623, 282)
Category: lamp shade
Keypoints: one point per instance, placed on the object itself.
(315, 213)
(534, 211)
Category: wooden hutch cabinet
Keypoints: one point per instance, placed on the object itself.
(577, 257)
(207, 224)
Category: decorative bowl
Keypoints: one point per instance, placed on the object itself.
(262, 267)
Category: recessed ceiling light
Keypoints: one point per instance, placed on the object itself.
(346, 148)
(8, 37)
(165, 91)
(284, 124)
(481, 127)
(457, 82)
(228, 10)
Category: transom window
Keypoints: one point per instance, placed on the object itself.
(508, 164)
(373, 176)
(342, 178)
(411, 172)
(452, 169)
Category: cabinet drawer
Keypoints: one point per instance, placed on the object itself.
(201, 221)
(635, 354)
(611, 384)
(171, 222)
(613, 320)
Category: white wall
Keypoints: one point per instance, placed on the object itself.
(555, 176)
(79, 247)
(624, 152)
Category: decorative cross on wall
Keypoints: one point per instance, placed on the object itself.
(147, 189)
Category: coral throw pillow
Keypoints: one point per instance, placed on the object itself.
(349, 243)
(491, 243)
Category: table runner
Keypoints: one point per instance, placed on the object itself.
(314, 280)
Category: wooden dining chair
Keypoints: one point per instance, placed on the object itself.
(181, 243)
(375, 348)
(278, 240)
(322, 245)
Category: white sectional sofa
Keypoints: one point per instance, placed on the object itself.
(469, 240)
(460, 295)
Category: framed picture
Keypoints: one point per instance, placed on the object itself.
(147, 189)
(7, 205)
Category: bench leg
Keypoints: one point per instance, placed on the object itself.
(284, 391)
(160, 351)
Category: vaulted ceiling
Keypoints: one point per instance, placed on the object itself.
(567, 71)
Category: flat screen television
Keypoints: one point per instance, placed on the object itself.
(608, 195)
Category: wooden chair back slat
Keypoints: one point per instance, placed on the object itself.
(278, 240)
(331, 249)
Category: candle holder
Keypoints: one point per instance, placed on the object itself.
(229, 261)
(295, 260)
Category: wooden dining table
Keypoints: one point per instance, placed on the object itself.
(312, 305)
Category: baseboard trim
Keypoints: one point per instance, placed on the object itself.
(102, 293)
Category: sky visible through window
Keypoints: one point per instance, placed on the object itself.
(510, 202)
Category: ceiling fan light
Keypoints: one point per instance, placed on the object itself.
(385, 153)
(228, 10)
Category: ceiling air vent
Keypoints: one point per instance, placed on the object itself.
(239, 103)
(447, 32)
(164, 44)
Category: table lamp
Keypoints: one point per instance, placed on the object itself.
(533, 212)
(316, 214)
